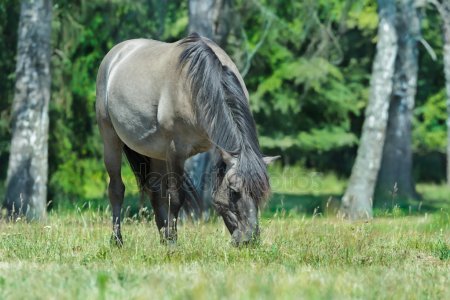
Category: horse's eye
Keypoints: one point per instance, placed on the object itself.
(234, 195)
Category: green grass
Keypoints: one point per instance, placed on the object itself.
(305, 251)
(299, 257)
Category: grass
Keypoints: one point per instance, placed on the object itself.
(305, 251)
(299, 257)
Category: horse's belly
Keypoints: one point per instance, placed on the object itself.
(145, 135)
(141, 133)
(154, 145)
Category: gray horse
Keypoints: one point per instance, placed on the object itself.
(162, 103)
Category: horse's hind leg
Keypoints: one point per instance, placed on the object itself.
(113, 159)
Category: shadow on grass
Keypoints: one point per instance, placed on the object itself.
(284, 203)
(131, 205)
(434, 198)
(279, 204)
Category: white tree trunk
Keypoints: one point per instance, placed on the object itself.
(26, 184)
(210, 18)
(396, 167)
(357, 200)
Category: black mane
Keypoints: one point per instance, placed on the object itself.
(223, 111)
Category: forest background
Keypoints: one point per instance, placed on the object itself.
(306, 64)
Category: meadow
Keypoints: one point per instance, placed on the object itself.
(402, 254)
(70, 257)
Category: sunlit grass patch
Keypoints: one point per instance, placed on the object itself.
(315, 257)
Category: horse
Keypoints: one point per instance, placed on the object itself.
(161, 103)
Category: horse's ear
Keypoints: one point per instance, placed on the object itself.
(270, 159)
(228, 159)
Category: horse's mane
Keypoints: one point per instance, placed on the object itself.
(223, 111)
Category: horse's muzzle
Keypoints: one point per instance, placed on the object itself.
(244, 238)
(242, 224)
(247, 231)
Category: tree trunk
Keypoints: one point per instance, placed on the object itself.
(198, 169)
(395, 177)
(357, 200)
(26, 183)
(209, 18)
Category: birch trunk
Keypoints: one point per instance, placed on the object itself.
(26, 184)
(357, 200)
(395, 177)
(210, 18)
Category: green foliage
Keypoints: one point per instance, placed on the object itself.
(9, 14)
(76, 179)
(308, 86)
(320, 140)
(364, 17)
(307, 66)
(430, 130)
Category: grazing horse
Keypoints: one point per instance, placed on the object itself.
(162, 103)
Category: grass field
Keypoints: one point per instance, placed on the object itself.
(299, 257)
(305, 251)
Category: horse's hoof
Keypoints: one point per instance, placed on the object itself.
(116, 239)
(171, 246)
(168, 242)
(168, 238)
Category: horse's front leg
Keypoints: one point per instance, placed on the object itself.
(171, 198)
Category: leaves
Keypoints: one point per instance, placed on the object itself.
(324, 139)
(430, 130)
(308, 75)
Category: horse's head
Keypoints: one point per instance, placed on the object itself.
(235, 203)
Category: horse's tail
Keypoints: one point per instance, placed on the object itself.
(142, 167)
